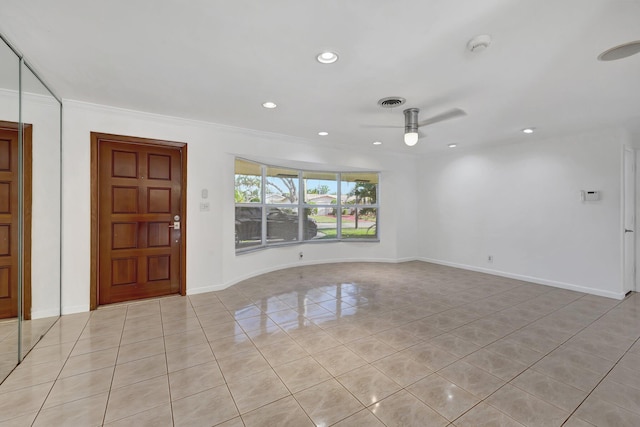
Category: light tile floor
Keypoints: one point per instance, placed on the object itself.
(32, 331)
(359, 344)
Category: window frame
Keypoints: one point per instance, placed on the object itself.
(303, 206)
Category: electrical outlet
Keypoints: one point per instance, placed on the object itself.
(300, 255)
(490, 258)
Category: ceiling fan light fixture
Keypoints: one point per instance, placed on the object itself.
(411, 126)
(411, 138)
(327, 57)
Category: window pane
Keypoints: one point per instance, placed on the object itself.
(248, 182)
(359, 188)
(325, 221)
(282, 186)
(320, 188)
(282, 224)
(248, 227)
(309, 225)
(360, 223)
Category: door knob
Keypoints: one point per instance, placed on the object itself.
(626, 230)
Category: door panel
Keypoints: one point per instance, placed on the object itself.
(140, 192)
(9, 233)
(8, 223)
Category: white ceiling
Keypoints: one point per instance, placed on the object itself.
(218, 61)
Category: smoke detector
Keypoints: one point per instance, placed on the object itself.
(479, 43)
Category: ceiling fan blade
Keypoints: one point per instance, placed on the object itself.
(451, 114)
(381, 126)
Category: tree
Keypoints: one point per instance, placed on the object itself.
(322, 189)
(364, 192)
(291, 193)
(247, 188)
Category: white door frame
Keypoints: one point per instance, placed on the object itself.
(629, 232)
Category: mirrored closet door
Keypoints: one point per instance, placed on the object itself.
(30, 190)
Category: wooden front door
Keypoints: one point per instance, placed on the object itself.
(9, 215)
(141, 220)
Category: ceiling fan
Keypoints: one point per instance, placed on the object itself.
(411, 123)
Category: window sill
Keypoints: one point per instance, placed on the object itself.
(296, 243)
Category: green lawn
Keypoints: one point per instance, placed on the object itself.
(323, 219)
(331, 233)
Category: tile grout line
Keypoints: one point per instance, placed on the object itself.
(61, 368)
(113, 374)
(602, 379)
(166, 362)
(226, 384)
(551, 351)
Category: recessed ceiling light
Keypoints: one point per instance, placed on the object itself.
(327, 57)
(528, 130)
(323, 133)
(452, 145)
(269, 105)
(377, 143)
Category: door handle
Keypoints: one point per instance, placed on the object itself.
(175, 225)
(626, 230)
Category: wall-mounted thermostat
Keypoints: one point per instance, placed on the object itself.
(204, 193)
(589, 195)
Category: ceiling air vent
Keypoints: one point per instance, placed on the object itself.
(391, 102)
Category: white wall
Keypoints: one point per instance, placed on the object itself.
(44, 114)
(211, 259)
(520, 203)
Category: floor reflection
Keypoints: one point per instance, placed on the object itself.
(8, 346)
(302, 303)
(32, 332)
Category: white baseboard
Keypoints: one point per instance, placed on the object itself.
(41, 314)
(75, 309)
(203, 289)
(537, 280)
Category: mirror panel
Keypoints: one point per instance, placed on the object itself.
(30, 190)
(9, 117)
(41, 204)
